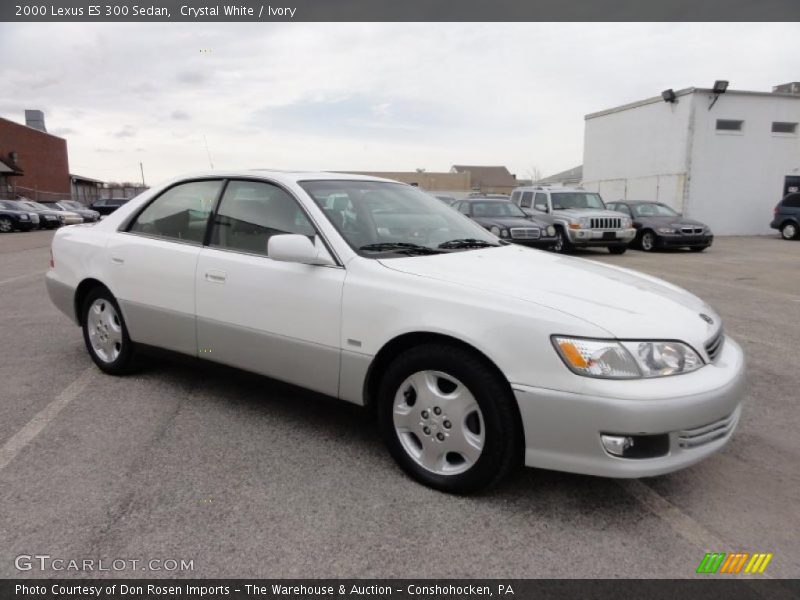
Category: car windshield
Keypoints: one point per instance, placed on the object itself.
(496, 209)
(33, 205)
(564, 200)
(71, 204)
(9, 205)
(653, 210)
(379, 217)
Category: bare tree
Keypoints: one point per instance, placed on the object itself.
(534, 173)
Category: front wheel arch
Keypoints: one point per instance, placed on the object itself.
(396, 346)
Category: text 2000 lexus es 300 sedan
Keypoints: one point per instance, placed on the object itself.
(479, 355)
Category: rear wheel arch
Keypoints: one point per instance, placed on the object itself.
(82, 291)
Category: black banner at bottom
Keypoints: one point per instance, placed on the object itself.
(401, 589)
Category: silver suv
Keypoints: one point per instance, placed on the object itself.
(580, 217)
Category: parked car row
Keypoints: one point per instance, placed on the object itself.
(563, 219)
(25, 215)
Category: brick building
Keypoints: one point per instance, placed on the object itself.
(33, 163)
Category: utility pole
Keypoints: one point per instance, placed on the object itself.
(141, 168)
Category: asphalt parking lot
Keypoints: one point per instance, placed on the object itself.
(248, 477)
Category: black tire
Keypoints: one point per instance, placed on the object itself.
(6, 225)
(562, 245)
(503, 444)
(126, 360)
(790, 231)
(697, 248)
(618, 249)
(647, 241)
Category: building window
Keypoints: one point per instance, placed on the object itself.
(729, 125)
(783, 127)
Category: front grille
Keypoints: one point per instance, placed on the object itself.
(526, 233)
(691, 230)
(705, 434)
(714, 345)
(606, 223)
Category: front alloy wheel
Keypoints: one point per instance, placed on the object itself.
(562, 244)
(789, 231)
(449, 418)
(6, 225)
(438, 422)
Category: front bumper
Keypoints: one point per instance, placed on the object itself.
(600, 237)
(683, 241)
(543, 242)
(45, 223)
(563, 429)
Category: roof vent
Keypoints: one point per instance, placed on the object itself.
(787, 88)
(35, 119)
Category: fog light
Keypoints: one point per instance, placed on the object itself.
(616, 444)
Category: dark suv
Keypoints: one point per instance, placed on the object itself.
(787, 217)
(106, 206)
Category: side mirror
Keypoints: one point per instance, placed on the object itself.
(296, 248)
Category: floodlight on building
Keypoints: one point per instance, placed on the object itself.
(669, 95)
(720, 87)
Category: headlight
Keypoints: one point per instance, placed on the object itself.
(626, 222)
(495, 230)
(23, 217)
(610, 359)
(666, 230)
(658, 359)
(551, 231)
(504, 233)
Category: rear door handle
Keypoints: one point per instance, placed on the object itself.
(215, 276)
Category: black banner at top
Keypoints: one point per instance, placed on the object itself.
(397, 10)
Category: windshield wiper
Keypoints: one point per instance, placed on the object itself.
(399, 247)
(466, 243)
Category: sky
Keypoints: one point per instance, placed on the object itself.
(183, 98)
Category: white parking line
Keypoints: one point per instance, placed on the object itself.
(34, 427)
(681, 523)
(21, 277)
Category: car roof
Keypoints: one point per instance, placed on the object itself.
(284, 176)
(635, 202)
(539, 188)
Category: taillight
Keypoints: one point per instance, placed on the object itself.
(52, 262)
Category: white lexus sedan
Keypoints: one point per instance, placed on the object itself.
(479, 355)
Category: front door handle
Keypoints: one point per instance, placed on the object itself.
(117, 259)
(215, 276)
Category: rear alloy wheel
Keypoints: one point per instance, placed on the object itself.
(448, 419)
(790, 231)
(105, 333)
(648, 241)
(6, 226)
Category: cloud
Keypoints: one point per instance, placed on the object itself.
(126, 132)
(391, 96)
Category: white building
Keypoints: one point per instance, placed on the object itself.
(725, 159)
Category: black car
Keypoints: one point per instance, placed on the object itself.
(787, 217)
(87, 214)
(14, 217)
(659, 226)
(507, 221)
(106, 206)
(48, 218)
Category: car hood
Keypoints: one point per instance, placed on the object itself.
(586, 212)
(625, 303)
(666, 221)
(507, 222)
